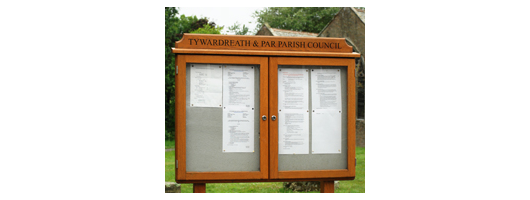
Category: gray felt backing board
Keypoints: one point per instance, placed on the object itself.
(204, 136)
(320, 161)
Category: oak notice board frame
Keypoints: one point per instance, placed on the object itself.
(267, 52)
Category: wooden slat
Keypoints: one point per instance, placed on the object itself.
(181, 115)
(266, 180)
(273, 110)
(264, 110)
(352, 116)
(314, 174)
(315, 61)
(265, 53)
(223, 175)
(176, 118)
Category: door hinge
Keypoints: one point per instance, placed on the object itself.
(356, 162)
(176, 164)
(177, 70)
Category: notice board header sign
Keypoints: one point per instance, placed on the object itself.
(263, 43)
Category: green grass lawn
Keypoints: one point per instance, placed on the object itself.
(170, 166)
(354, 186)
(170, 144)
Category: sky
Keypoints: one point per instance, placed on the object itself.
(224, 16)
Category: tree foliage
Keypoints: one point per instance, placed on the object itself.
(175, 28)
(307, 19)
(171, 37)
(186, 24)
(238, 29)
(208, 29)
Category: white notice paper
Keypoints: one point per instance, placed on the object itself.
(205, 85)
(326, 132)
(293, 116)
(325, 89)
(292, 89)
(326, 116)
(238, 130)
(293, 132)
(238, 86)
(238, 108)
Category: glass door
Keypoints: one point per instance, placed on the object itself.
(313, 109)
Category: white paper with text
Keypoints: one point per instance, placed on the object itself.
(238, 108)
(206, 85)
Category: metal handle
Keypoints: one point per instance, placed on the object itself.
(273, 118)
(264, 117)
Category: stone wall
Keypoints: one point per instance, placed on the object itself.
(305, 186)
(172, 187)
(346, 24)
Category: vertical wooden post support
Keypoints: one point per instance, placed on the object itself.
(327, 186)
(200, 187)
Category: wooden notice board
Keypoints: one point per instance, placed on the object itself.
(240, 118)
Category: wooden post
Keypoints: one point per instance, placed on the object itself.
(200, 187)
(326, 186)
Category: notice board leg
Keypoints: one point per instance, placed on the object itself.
(327, 186)
(200, 187)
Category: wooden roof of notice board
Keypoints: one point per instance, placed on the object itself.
(263, 45)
